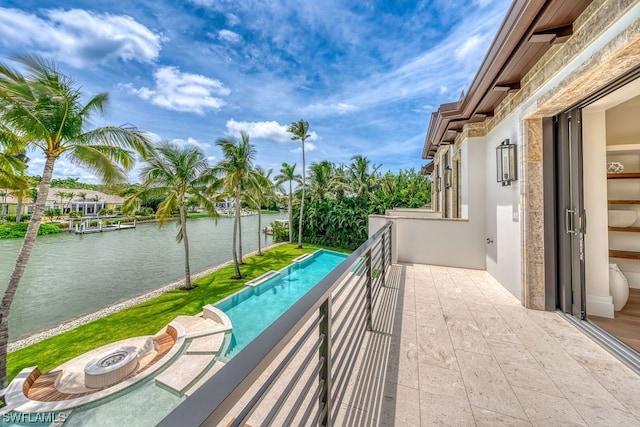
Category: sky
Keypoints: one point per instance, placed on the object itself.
(366, 75)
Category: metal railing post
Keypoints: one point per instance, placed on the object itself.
(384, 259)
(324, 375)
(369, 293)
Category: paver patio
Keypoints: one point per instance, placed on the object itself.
(451, 346)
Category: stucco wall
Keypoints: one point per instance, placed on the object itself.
(438, 241)
(503, 256)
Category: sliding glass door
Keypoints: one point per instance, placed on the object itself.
(570, 214)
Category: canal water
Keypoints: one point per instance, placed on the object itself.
(71, 275)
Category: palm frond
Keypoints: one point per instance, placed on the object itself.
(103, 160)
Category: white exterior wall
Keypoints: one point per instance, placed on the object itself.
(503, 256)
(440, 241)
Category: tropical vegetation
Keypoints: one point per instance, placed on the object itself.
(178, 175)
(300, 132)
(239, 175)
(42, 109)
(288, 174)
(340, 199)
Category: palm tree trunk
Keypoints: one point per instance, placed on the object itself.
(290, 211)
(19, 210)
(21, 264)
(185, 241)
(301, 201)
(259, 231)
(240, 261)
(236, 220)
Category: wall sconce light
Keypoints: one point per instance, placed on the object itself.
(437, 183)
(447, 177)
(506, 163)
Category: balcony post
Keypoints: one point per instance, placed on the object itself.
(324, 375)
(384, 258)
(369, 292)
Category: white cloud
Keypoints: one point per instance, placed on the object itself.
(63, 169)
(270, 131)
(232, 19)
(211, 159)
(229, 36)
(205, 3)
(339, 108)
(190, 141)
(308, 146)
(469, 46)
(191, 93)
(79, 37)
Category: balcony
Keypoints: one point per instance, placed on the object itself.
(440, 346)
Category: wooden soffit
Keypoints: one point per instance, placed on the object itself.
(529, 29)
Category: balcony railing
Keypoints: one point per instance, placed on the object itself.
(298, 369)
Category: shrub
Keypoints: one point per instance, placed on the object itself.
(145, 211)
(280, 231)
(12, 230)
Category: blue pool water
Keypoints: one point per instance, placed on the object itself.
(252, 310)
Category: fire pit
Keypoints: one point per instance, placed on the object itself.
(110, 368)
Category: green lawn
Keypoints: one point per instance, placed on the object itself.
(149, 317)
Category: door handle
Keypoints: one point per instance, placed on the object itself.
(568, 221)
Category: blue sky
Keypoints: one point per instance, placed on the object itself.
(365, 75)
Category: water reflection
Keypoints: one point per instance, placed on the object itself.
(71, 275)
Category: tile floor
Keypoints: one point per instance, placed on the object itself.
(452, 347)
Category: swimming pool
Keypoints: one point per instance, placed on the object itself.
(252, 310)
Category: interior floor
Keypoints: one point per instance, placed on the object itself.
(626, 324)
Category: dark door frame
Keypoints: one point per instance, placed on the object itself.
(550, 187)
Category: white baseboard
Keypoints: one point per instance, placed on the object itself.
(600, 305)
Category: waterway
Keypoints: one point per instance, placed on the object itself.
(71, 275)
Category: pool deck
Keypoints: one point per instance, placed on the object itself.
(179, 357)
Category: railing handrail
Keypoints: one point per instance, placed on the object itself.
(216, 397)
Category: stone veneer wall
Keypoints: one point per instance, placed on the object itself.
(603, 67)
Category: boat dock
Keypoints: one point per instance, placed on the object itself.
(85, 228)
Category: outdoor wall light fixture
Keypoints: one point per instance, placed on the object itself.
(506, 163)
(447, 177)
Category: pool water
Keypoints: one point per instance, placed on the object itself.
(252, 310)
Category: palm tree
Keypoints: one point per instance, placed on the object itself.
(321, 177)
(178, 175)
(62, 195)
(20, 194)
(339, 181)
(236, 169)
(300, 131)
(69, 196)
(83, 197)
(362, 181)
(3, 196)
(11, 171)
(260, 194)
(287, 173)
(43, 107)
